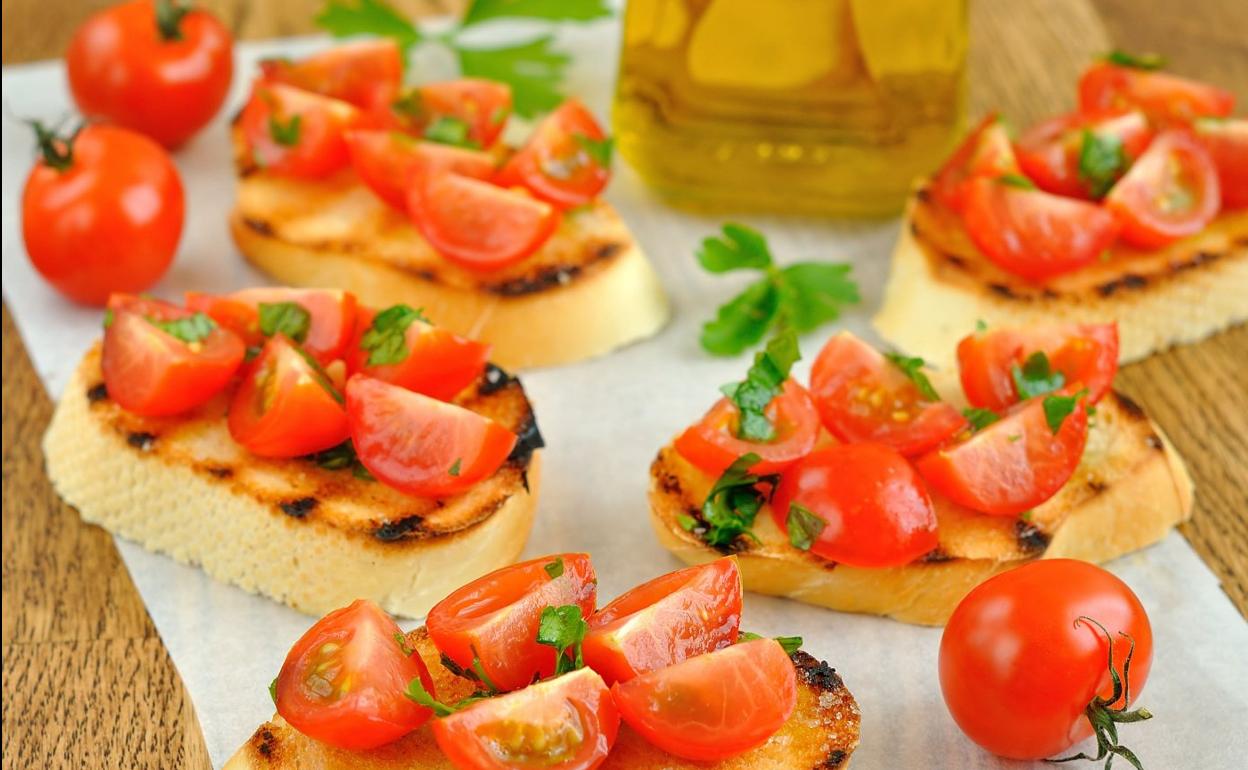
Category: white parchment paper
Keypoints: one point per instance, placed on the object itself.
(603, 421)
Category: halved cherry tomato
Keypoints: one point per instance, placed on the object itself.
(665, 621)
(1227, 144)
(712, 443)
(712, 706)
(494, 619)
(861, 396)
(483, 105)
(874, 507)
(556, 164)
(436, 362)
(419, 445)
(331, 324)
(1171, 192)
(343, 681)
(986, 151)
(149, 307)
(567, 723)
(1166, 99)
(155, 374)
(476, 224)
(1033, 234)
(1049, 152)
(284, 406)
(366, 73)
(387, 161)
(297, 133)
(1085, 354)
(1012, 465)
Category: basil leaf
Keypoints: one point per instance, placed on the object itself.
(286, 134)
(733, 503)
(555, 568)
(1058, 408)
(599, 150)
(764, 381)
(563, 628)
(289, 318)
(446, 129)
(1036, 377)
(1102, 161)
(191, 329)
(386, 339)
(804, 526)
(980, 418)
(912, 367)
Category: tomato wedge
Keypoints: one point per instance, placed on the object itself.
(669, 619)
(329, 329)
(1085, 354)
(296, 133)
(713, 706)
(568, 723)
(874, 509)
(1166, 99)
(862, 396)
(1061, 155)
(1171, 192)
(494, 619)
(1226, 141)
(480, 106)
(712, 443)
(1012, 465)
(476, 224)
(151, 372)
(365, 73)
(563, 162)
(419, 445)
(388, 161)
(343, 681)
(1033, 234)
(986, 151)
(431, 360)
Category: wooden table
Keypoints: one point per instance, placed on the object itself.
(87, 681)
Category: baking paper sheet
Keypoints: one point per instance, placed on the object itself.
(603, 421)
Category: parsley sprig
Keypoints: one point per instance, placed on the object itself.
(731, 506)
(564, 628)
(762, 383)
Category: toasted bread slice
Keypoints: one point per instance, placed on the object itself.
(1130, 488)
(941, 284)
(821, 734)
(310, 537)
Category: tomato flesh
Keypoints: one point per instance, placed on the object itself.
(665, 621)
(1166, 99)
(366, 73)
(1171, 192)
(985, 152)
(1049, 152)
(388, 161)
(296, 133)
(1226, 141)
(712, 443)
(436, 362)
(482, 105)
(555, 164)
(331, 324)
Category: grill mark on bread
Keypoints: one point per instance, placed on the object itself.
(936, 556)
(1031, 540)
(835, 759)
(1128, 281)
(409, 526)
(495, 379)
(528, 440)
(1133, 410)
(266, 744)
(552, 276)
(141, 440)
(299, 507)
(260, 226)
(220, 471)
(97, 393)
(817, 673)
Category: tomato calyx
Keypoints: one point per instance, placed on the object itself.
(56, 151)
(169, 15)
(731, 506)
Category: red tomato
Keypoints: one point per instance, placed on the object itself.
(568, 723)
(102, 213)
(343, 681)
(1166, 99)
(153, 373)
(483, 105)
(163, 75)
(1226, 141)
(476, 224)
(331, 325)
(495, 618)
(1049, 152)
(1012, 465)
(296, 133)
(556, 163)
(149, 307)
(986, 151)
(861, 396)
(387, 161)
(419, 445)
(875, 509)
(712, 443)
(1086, 354)
(436, 362)
(1033, 234)
(1171, 192)
(284, 407)
(1020, 662)
(365, 73)
(713, 706)
(665, 621)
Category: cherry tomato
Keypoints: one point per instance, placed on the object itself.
(476, 224)
(366, 73)
(1012, 465)
(435, 361)
(1033, 234)
(1171, 192)
(567, 723)
(387, 161)
(986, 151)
(101, 213)
(873, 505)
(558, 163)
(1022, 656)
(712, 443)
(1085, 354)
(712, 706)
(494, 619)
(862, 396)
(419, 445)
(331, 316)
(1226, 141)
(482, 105)
(157, 68)
(149, 307)
(1166, 99)
(669, 619)
(1049, 152)
(296, 133)
(343, 681)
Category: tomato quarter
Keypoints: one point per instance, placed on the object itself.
(331, 316)
(1165, 98)
(712, 443)
(1050, 153)
(388, 161)
(434, 361)
(366, 73)
(296, 133)
(1171, 192)
(481, 106)
(562, 162)
(1226, 141)
(986, 151)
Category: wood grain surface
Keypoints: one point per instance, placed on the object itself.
(86, 679)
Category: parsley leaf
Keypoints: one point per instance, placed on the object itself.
(1148, 61)
(741, 247)
(1101, 161)
(804, 526)
(599, 150)
(286, 134)
(564, 629)
(980, 418)
(386, 338)
(555, 568)
(1058, 408)
(1017, 180)
(791, 644)
(534, 70)
(189, 330)
(732, 504)
(447, 129)
(1036, 377)
(742, 321)
(812, 293)
(344, 18)
(553, 10)
(762, 383)
(912, 367)
(289, 318)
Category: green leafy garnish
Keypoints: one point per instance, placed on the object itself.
(1036, 377)
(455, 466)
(1017, 180)
(1148, 61)
(416, 692)
(551, 10)
(401, 640)
(1101, 161)
(980, 418)
(981, 325)
(555, 568)
(1058, 408)
(273, 690)
(762, 383)
(344, 18)
(108, 317)
(563, 628)
(804, 526)
(386, 338)
(732, 504)
(190, 329)
(446, 129)
(322, 378)
(286, 134)
(599, 150)
(790, 644)
(912, 367)
(534, 70)
(289, 318)
(341, 457)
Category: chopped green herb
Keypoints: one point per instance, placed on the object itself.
(322, 378)
(1026, 516)
(764, 381)
(454, 471)
(981, 325)
(733, 503)
(289, 318)
(804, 526)
(401, 640)
(686, 522)
(912, 367)
(790, 644)
(1036, 376)
(1017, 180)
(1058, 408)
(190, 329)
(409, 104)
(108, 317)
(980, 418)
(446, 129)
(563, 628)
(273, 690)
(416, 692)
(478, 672)
(599, 150)
(1102, 161)
(1148, 61)
(286, 134)
(251, 352)
(555, 568)
(386, 339)
(341, 457)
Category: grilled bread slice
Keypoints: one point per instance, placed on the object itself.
(1130, 488)
(941, 284)
(307, 536)
(821, 734)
